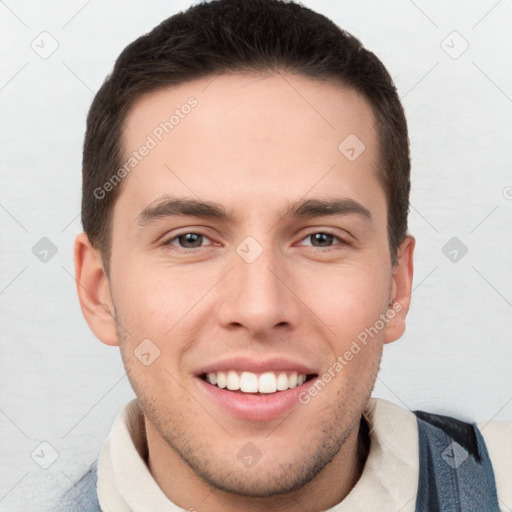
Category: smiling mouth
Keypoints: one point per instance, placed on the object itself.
(249, 383)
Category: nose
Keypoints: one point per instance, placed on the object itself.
(259, 294)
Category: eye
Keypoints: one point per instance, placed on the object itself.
(324, 239)
(194, 240)
(189, 240)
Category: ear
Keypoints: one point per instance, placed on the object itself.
(400, 297)
(93, 289)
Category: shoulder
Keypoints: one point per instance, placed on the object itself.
(490, 443)
(82, 496)
(498, 439)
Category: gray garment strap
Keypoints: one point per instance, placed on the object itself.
(83, 496)
(456, 473)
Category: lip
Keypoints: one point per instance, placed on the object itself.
(243, 363)
(254, 407)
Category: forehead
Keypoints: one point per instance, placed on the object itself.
(250, 140)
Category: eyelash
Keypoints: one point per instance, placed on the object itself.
(343, 242)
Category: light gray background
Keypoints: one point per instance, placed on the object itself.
(60, 385)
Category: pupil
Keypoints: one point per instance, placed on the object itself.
(191, 238)
(322, 237)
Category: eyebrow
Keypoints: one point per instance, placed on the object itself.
(303, 209)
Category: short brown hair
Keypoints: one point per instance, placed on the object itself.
(240, 36)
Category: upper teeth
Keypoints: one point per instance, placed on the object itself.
(248, 382)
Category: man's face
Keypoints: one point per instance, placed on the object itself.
(258, 290)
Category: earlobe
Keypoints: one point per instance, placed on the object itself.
(93, 290)
(401, 287)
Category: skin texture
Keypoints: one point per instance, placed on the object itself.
(253, 143)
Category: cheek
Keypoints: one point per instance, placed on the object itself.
(347, 298)
(160, 302)
(153, 302)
